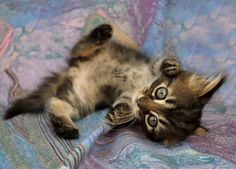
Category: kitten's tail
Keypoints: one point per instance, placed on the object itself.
(34, 102)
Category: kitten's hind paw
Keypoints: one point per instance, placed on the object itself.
(63, 128)
(67, 132)
(101, 33)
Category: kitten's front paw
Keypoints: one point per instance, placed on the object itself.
(102, 33)
(170, 67)
(119, 114)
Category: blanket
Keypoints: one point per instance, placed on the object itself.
(36, 38)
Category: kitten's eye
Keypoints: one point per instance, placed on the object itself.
(161, 93)
(152, 120)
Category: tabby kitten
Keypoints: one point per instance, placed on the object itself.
(107, 69)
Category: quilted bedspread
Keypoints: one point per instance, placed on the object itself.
(36, 37)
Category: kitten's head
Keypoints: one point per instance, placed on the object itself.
(171, 107)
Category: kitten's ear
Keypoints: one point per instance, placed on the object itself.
(205, 87)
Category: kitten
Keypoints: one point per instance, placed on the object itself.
(106, 69)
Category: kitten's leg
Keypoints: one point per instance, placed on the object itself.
(122, 111)
(122, 38)
(60, 113)
(93, 42)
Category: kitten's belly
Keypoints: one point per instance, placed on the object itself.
(91, 77)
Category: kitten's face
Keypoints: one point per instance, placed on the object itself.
(171, 108)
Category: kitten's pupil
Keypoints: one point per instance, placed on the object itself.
(152, 120)
(161, 93)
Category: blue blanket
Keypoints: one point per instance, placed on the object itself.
(36, 38)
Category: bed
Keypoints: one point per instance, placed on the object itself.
(36, 38)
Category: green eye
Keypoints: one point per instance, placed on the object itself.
(161, 93)
(152, 121)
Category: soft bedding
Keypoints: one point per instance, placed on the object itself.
(36, 38)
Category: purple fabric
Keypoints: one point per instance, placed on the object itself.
(35, 39)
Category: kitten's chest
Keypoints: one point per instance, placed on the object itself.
(131, 75)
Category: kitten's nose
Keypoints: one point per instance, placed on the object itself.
(142, 104)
